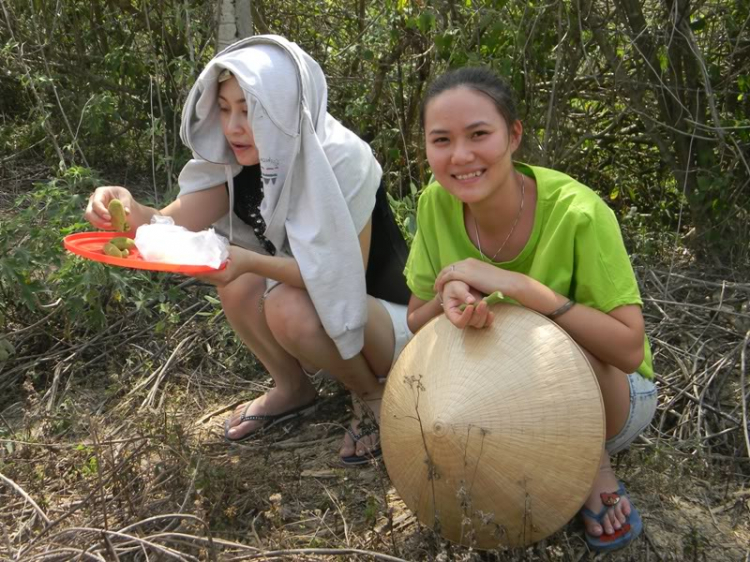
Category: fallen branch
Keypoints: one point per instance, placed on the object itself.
(26, 496)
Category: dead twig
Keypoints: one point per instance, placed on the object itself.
(743, 394)
(317, 551)
(26, 496)
(130, 538)
(159, 375)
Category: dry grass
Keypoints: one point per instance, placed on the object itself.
(111, 448)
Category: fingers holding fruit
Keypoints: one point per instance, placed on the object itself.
(118, 215)
(464, 307)
(100, 213)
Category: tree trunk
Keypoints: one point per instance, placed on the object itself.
(672, 126)
(235, 22)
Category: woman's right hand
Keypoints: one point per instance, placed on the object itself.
(96, 211)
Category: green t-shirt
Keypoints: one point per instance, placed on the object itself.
(575, 247)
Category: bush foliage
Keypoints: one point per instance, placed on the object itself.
(646, 102)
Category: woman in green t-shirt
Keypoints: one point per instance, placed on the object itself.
(545, 241)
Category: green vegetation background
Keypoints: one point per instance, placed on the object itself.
(646, 101)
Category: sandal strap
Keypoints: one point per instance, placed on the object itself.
(244, 414)
(258, 417)
(620, 493)
(289, 414)
(598, 517)
(355, 436)
(365, 430)
(610, 499)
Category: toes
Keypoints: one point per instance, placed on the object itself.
(347, 446)
(366, 445)
(234, 418)
(232, 423)
(607, 524)
(614, 519)
(592, 527)
(624, 509)
(363, 446)
(239, 430)
(619, 517)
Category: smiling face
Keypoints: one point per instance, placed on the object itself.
(233, 112)
(469, 144)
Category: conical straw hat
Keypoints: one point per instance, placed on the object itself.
(493, 437)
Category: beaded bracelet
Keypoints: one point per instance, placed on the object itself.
(562, 310)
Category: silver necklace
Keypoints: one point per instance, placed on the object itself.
(512, 228)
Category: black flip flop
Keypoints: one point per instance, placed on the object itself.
(269, 420)
(369, 456)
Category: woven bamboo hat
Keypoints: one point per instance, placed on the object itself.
(493, 437)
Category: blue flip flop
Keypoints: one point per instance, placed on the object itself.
(621, 537)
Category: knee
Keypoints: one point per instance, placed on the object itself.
(615, 391)
(242, 296)
(291, 316)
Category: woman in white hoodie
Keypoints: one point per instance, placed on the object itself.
(295, 192)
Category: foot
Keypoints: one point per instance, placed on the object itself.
(616, 516)
(367, 442)
(273, 402)
(363, 426)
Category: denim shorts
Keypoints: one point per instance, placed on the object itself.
(642, 410)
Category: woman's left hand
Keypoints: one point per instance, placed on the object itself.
(238, 262)
(475, 312)
(479, 275)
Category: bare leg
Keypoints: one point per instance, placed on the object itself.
(240, 300)
(616, 396)
(296, 326)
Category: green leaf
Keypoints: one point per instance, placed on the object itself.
(698, 24)
(663, 58)
(426, 22)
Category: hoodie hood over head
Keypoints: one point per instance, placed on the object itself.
(319, 179)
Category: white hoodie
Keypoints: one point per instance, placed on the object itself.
(319, 178)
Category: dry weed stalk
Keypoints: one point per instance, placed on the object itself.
(698, 324)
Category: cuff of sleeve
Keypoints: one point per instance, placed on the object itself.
(350, 342)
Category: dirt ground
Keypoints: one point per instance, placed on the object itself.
(111, 448)
(288, 493)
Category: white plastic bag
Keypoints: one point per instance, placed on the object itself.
(164, 242)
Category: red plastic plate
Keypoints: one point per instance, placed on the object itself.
(90, 246)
